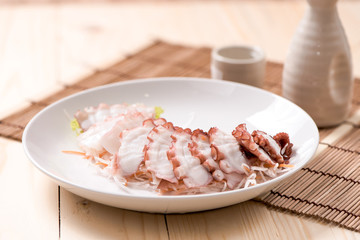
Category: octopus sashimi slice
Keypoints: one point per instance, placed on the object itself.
(247, 142)
(187, 167)
(92, 115)
(131, 151)
(110, 141)
(200, 145)
(226, 150)
(89, 141)
(268, 144)
(200, 148)
(156, 159)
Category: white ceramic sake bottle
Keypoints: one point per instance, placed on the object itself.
(317, 73)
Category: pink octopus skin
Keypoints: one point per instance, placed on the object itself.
(266, 142)
(200, 145)
(226, 150)
(247, 142)
(187, 167)
(156, 159)
(131, 151)
(200, 148)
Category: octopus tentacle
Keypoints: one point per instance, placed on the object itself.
(216, 153)
(218, 175)
(187, 167)
(201, 148)
(131, 150)
(199, 145)
(156, 159)
(284, 141)
(266, 142)
(247, 142)
(226, 151)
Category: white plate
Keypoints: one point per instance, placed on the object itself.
(188, 102)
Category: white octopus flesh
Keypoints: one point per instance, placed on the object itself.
(129, 144)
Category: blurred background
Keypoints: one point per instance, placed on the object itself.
(51, 43)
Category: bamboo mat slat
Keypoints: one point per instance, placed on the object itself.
(327, 188)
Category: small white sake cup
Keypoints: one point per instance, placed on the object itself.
(239, 63)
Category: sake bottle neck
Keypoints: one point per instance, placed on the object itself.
(323, 5)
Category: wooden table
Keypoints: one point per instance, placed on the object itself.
(46, 45)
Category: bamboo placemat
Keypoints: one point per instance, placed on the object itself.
(327, 188)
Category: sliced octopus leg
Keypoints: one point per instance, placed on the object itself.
(200, 148)
(111, 139)
(105, 135)
(156, 159)
(187, 167)
(226, 151)
(247, 142)
(266, 142)
(131, 151)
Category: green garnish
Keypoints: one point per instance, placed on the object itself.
(75, 126)
(158, 112)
